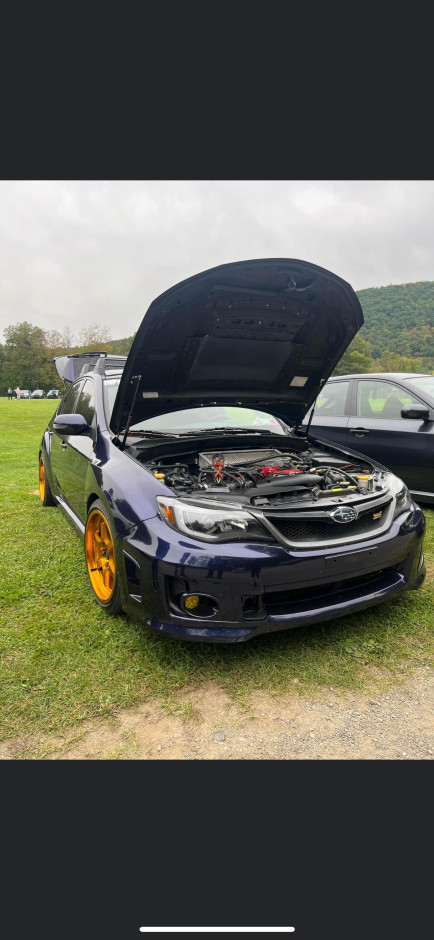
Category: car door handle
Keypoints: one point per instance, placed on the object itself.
(359, 432)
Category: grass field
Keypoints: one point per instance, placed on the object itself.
(63, 660)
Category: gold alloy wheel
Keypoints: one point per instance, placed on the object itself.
(100, 556)
(41, 479)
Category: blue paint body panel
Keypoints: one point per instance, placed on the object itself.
(263, 335)
(290, 588)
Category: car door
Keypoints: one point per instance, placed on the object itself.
(404, 445)
(59, 442)
(331, 412)
(80, 451)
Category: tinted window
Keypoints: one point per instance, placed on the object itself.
(376, 399)
(86, 402)
(66, 406)
(331, 400)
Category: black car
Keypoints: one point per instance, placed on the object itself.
(53, 393)
(388, 416)
(203, 508)
(38, 393)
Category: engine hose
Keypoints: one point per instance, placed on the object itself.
(347, 476)
(289, 483)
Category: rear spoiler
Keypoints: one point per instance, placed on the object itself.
(71, 367)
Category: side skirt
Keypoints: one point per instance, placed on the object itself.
(71, 515)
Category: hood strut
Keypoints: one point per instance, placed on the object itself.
(127, 426)
(306, 433)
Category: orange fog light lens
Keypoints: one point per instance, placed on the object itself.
(191, 602)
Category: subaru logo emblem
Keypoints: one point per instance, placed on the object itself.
(343, 514)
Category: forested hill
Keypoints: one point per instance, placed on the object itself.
(397, 335)
(399, 317)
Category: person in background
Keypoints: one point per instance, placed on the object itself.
(9, 393)
(18, 391)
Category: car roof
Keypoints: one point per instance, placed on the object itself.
(380, 375)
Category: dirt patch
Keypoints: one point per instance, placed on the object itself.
(395, 724)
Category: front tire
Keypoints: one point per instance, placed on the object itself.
(100, 557)
(47, 498)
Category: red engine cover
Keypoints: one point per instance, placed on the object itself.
(267, 470)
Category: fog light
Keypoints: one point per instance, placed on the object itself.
(201, 606)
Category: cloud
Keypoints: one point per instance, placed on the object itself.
(74, 252)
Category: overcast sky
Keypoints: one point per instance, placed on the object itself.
(78, 252)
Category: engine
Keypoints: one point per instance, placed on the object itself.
(267, 477)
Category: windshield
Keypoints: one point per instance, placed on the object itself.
(425, 383)
(191, 419)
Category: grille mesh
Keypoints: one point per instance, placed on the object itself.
(303, 530)
(276, 599)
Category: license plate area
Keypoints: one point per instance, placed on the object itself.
(351, 561)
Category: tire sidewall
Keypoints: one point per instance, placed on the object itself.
(48, 499)
(114, 605)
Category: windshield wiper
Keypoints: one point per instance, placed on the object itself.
(229, 430)
(192, 433)
(151, 434)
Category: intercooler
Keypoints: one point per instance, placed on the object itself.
(238, 458)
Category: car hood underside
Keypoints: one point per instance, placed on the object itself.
(265, 334)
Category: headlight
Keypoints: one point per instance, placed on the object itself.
(403, 501)
(213, 524)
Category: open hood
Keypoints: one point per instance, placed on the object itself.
(262, 334)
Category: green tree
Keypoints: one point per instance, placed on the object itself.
(26, 360)
(121, 347)
(393, 362)
(400, 318)
(357, 358)
(3, 385)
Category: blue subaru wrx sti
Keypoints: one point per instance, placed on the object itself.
(205, 507)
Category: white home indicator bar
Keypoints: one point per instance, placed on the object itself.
(217, 929)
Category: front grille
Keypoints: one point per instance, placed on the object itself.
(319, 530)
(283, 601)
(176, 586)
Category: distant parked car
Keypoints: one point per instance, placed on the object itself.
(25, 393)
(388, 416)
(38, 393)
(53, 393)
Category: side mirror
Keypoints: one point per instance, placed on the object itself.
(70, 424)
(421, 412)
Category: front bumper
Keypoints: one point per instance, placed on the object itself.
(262, 587)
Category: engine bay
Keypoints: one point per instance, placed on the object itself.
(266, 476)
